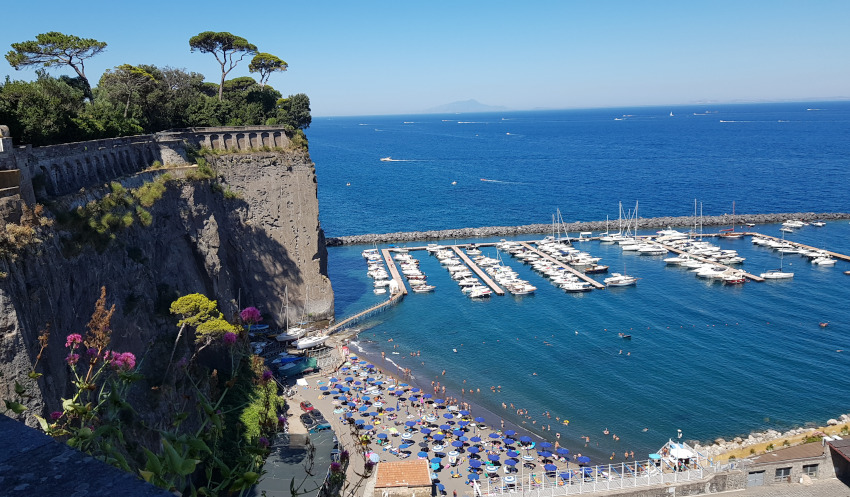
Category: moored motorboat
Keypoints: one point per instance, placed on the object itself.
(776, 274)
(617, 279)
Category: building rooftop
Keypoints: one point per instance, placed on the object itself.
(842, 447)
(403, 474)
(804, 451)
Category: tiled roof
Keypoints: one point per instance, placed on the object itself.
(403, 474)
(842, 447)
(804, 451)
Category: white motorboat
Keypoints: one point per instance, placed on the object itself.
(824, 261)
(819, 224)
(617, 279)
(379, 291)
(652, 250)
(423, 288)
(480, 292)
(309, 342)
(577, 286)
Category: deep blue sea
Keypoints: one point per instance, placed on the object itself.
(711, 360)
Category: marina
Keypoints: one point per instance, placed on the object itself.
(706, 261)
(481, 274)
(578, 274)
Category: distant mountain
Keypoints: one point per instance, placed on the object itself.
(470, 105)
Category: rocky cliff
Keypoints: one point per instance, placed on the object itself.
(254, 246)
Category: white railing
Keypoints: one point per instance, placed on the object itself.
(587, 479)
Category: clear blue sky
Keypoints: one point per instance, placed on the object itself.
(399, 56)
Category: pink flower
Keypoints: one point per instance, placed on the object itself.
(251, 315)
(267, 375)
(124, 361)
(264, 442)
(229, 338)
(72, 359)
(336, 467)
(73, 340)
(55, 415)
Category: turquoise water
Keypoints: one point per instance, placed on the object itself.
(705, 358)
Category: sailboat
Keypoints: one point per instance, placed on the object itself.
(778, 274)
(731, 233)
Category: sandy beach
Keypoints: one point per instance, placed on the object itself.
(386, 418)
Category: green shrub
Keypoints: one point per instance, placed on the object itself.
(149, 193)
(299, 141)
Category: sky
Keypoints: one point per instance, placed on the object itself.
(403, 56)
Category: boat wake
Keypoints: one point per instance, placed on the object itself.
(504, 182)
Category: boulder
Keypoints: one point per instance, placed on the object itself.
(832, 422)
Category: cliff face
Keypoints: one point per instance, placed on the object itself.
(249, 250)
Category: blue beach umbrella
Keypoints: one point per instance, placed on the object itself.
(445, 427)
(550, 467)
(475, 439)
(509, 441)
(544, 453)
(495, 435)
(493, 457)
(358, 383)
(525, 440)
(510, 433)
(566, 476)
(457, 433)
(457, 443)
(414, 390)
(324, 389)
(473, 450)
(403, 385)
(349, 379)
(404, 446)
(368, 427)
(562, 451)
(511, 462)
(463, 423)
(436, 460)
(366, 397)
(334, 379)
(422, 454)
(427, 396)
(545, 445)
(583, 459)
(512, 453)
(360, 422)
(474, 463)
(410, 423)
(344, 389)
(587, 471)
(463, 439)
(426, 430)
(464, 412)
(439, 436)
(349, 415)
(472, 476)
(363, 408)
(373, 414)
(448, 415)
(382, 436)
(479, 419)
(438, 401)
(441, 487)
(351, 404)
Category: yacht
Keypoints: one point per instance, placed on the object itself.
(617, 279)
(824, 261)
(577, 286)
(309, 342)
(291, 334)
(423, 288)
(480, 292)
(776, 274)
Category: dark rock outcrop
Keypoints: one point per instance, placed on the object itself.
(250, 247)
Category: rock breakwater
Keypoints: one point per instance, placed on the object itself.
(529, 229)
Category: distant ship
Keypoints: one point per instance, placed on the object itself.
(386, 159)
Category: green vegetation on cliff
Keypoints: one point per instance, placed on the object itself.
(143, 98)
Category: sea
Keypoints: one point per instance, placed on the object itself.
(705, 359)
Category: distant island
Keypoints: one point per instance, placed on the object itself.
(470, 105)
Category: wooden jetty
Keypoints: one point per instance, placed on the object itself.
(593, 282)
(477, 270)
(800, 245)
(700, 259)
(394, 299)
(394, 271)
